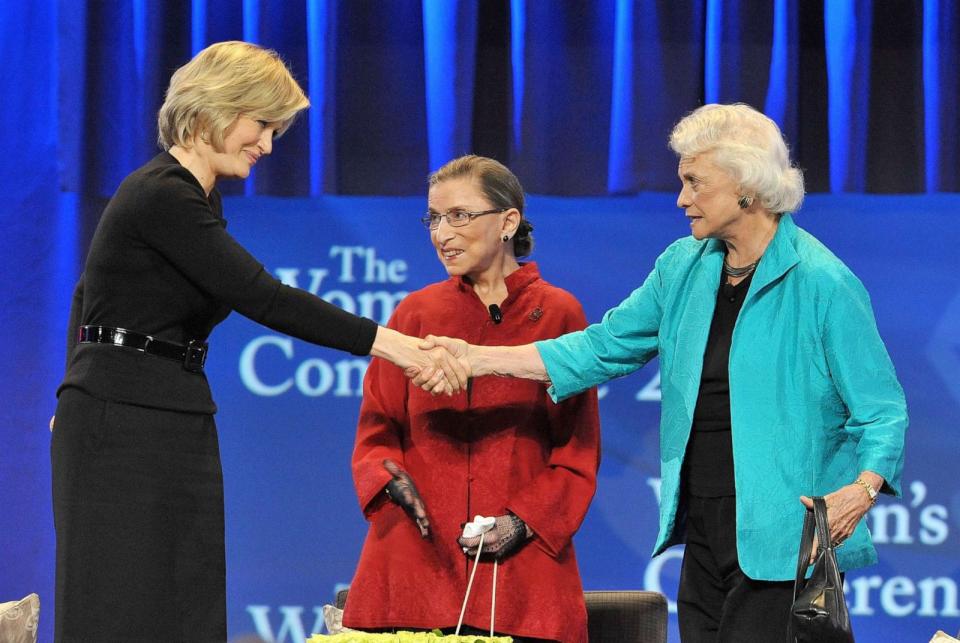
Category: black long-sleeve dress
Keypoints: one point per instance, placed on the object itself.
(138, 494)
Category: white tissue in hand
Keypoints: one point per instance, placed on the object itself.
(478, 526)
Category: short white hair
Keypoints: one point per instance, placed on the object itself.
(746, 144)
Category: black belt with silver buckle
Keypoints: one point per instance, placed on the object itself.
(192, 356)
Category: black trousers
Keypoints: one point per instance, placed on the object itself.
(716, 601)
(138, 511)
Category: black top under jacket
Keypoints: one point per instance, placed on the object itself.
(709, 461)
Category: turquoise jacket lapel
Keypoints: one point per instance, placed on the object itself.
(779, 257)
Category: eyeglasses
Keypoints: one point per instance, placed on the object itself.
(456, 218)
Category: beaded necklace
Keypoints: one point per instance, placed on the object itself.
(736, 273)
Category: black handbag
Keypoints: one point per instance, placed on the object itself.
(819, 612)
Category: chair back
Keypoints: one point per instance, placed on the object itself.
(626, 616)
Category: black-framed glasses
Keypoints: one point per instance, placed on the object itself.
(456, 218)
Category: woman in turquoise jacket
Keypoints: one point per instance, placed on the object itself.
(775, 383)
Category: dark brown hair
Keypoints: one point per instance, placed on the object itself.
(500, 187)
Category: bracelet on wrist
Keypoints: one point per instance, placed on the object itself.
(868, 489)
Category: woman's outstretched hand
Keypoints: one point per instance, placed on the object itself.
(443, 369)
(451, 352)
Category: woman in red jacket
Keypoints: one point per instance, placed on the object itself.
(424, 465)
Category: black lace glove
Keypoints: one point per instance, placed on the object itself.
(507, 535)
(403, 492)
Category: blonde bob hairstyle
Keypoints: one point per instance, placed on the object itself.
(749, 146)
(222, 82)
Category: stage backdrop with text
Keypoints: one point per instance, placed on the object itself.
(288, 409)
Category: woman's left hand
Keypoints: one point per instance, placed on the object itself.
(508, 534)
(846, 507)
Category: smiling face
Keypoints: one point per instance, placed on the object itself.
(709, 196)
(244, 142)
(476, 248)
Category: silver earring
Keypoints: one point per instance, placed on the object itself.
(744, 202)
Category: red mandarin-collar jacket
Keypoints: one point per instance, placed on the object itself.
(500, 447)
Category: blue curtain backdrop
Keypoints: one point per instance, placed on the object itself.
(577, 96)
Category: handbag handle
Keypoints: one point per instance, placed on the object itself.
(813, 521)
(823, 526)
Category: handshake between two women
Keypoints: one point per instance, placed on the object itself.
(444, 365)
